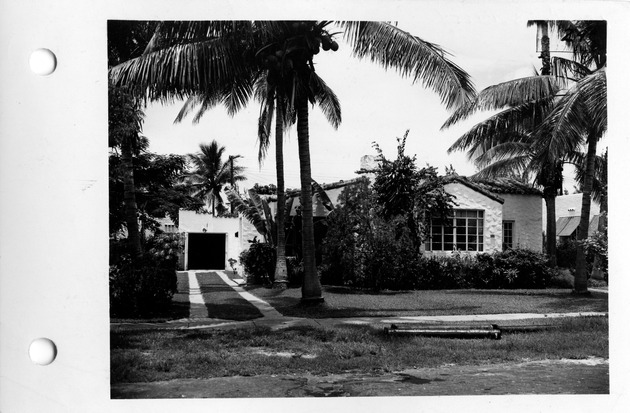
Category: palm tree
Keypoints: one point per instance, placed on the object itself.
(208, 57)
(580, 116)
(210, 174)
(269, 91)
(505, 143)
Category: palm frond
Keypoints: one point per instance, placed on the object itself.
(581, 111)
(502, 151)
(505, 167)
(203, 67)
(322, 195)
(507, 94)
(514, 123)
(600, 178)
(327, 100)
(265, 124)
(568, 69)
(425, 62)
(249, 211)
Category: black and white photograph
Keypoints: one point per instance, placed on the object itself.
(331, 205)
(319, 208)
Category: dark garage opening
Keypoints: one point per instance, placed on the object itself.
(206, 251)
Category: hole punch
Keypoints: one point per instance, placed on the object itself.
(42, 351)
(43, 62)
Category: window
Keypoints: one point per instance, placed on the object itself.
(508, 235)
(463, 232)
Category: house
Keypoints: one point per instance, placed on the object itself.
(210, 241)
(490, 215)
(333, 190)
(568, 214)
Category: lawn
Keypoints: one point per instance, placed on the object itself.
(345, 302)
(158, 355)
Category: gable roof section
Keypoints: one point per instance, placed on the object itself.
(506, 186)
(472, 185)
(566, 226)
(568, 205)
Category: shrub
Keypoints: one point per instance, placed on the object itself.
(259, 262)
(596, 248)
(521, 268)
(295, 271)
(165, 248)
(144, 286)
(141, 287)
(562, 279)
(565, 254)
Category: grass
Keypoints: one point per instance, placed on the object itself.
(345, 302)
(157, 355)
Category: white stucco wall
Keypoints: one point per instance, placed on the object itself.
(238, 231)
(526, 212)
(467, 198)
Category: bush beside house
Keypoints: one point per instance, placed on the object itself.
(144, 286)
(259, 262)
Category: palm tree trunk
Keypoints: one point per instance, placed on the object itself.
(550, 202)
(603, 202)
(311, 288)
(550, 191)
(281, 278)
(131, 208)
(545, 54)
(580, 283)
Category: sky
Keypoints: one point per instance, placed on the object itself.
(376, 105)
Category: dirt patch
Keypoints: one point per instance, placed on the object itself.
(283, 354)
(589, 376)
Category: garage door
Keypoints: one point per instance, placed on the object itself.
(206, 251)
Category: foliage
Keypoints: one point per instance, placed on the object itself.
(210, 174)
(144, 285)
(596, 248)
(259, 262)
(363, 250)
(165, 248)
(295, 271)
(265, 189)
(139, 289)
(256, 210)
(374, 235)
(158, 194)
(401, 190)
(566, 251)
(232, 263)
(220, 62)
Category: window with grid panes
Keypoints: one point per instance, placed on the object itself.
(508, 234)
(463, 231)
